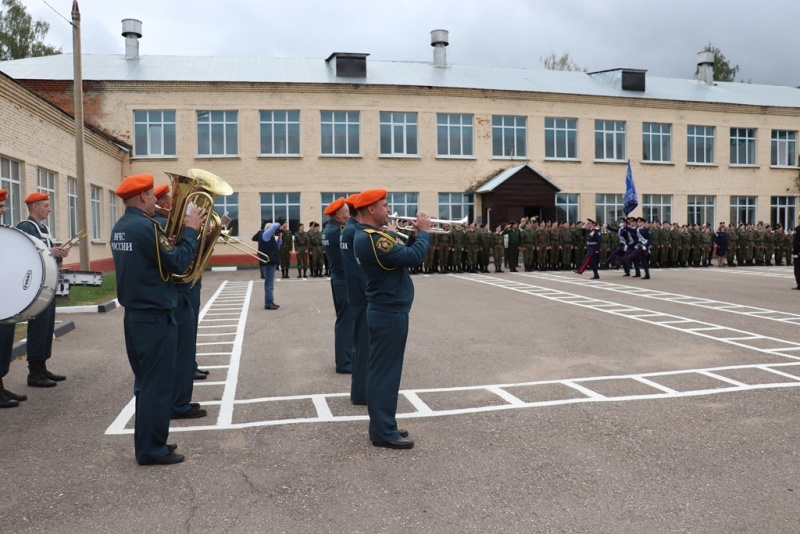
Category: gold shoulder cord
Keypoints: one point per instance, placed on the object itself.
(158, 254)
(375, 252)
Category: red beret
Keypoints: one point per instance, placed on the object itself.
(162, 190)
(369, 197)
(3, 194)
(36, 197)
(334, 206)
(133, 185)
(351, 200)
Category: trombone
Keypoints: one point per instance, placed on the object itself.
(438, 226)
(241, 246)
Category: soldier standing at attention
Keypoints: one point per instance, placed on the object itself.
(780, 244)
(796, 253)
(498, 248)
(343, 328)
(487, 243)
(593, 243)
(458, 248)
(473, 242)
(316, 250)
(357, 304)
(144, 258)
(514, 242)
(528, 245)
(390, 293)
(555, 246)
(301, 249)
(286, 250)
(565, 236)
(731, 234)
(769, 245)
(445, 244)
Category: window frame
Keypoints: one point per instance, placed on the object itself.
(288, 208)
(514, 134)
(351, 122)
(462, 203)
(617, 135)
(11, 181)
(224, 126)
(49, 186)
(654, 207)
(708, 144)
(750, 206)
(790, 144)
(290, 134)
(612, 210)
(747, 138)
(567, 203)
(165, 129)
(786, 205)
(700, 211)
(390, 127)
(465, 128)
(95, 202)
(229, 204)
(569, 131)
(660, 138)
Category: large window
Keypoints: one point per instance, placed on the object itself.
(783, 211)
(560, 138)
(398, 133)
(97, 218)
(743, 146)
(284, 206)
(404, 204)
(217, 133)
(509, 136)
(47, 184)
(608, 208)
(72, 205)
(657, 142)
(340, 133)
(657, 207)
(609, 140)
(154, 133)
(700, 143)
(743, 210)
(784, 148)
(229, 206)
(567, 207)
(112, 208)
(456, 206)
(10, 181)
(280, 133)
(700, 209)
(454, 134)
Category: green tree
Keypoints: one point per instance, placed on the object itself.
(20, 35)
(723, 72)
(562, 62)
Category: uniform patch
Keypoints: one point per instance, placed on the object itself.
(165, 244)
(384, 244)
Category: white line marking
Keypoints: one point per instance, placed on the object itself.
(323, 410)
(586, 391)
(656, 385)
(723, 379)
(229, 393)
(506, 396)
(418, 404)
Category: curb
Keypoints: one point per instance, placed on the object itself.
(98, 308)
(61, 329)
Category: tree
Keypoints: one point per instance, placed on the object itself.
(563, 62)
(20, 36)
(723, 72)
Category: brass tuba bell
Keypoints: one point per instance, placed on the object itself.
(199, 189)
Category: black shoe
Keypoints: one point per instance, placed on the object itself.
(359, 402)
(344, 371)
(403, 432)
(38, 380)
(172, 446)
(646, 277)
(194, 405)
(171, 458)
(595, 278)
(199, 376)
(203, 371)
(626, 274)
(401, 443)
(13, 396)
(273, 307)
(637, 275)
(194, 413)
(6, 402)
(51, 376)
(798, 287)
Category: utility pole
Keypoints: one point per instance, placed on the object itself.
(79, 169)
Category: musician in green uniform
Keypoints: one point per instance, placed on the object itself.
(145, 258)
(301, 240)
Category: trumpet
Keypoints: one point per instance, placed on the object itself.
(438, 226)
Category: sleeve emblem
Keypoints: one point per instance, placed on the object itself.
(165, 244)
(384, 245)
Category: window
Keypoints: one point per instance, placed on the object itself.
(784, 148)
(783, 211)
(456, 206)
(280, 133)
(229, 206)
(509, 136)
(72, 205)
(743, 210)
(398, 133)
(567, 207)
(608, 208)
(700, 142)
(454, 134)
(340, 133)
(404, 204)
(560, 138)
(47, 184)
(657, 142)
(743, 146)
(10, 181)
(285, 206)
(327, 198)
(700, 210)
(154, 133)
(609, 141)
(112, 208)
(217, 133)
(97, 220)
(657, 207)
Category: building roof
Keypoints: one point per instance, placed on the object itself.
(498, 180)
(100, 67)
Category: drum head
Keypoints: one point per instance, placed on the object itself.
(21, 271)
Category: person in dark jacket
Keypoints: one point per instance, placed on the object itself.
(721, 244)
(269, 243)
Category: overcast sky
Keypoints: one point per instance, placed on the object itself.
(661, 37)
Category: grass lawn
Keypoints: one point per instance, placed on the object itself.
(84, 295)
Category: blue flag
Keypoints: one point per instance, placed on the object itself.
(631, 200)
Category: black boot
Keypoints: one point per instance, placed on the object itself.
(36, 378)
(8, 399)
(51, 376)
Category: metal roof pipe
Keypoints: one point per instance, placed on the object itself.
(132, 32)
(439, 41)
(705, 67)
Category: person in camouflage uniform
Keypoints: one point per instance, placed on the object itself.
(316, 250)
(555, 245)
(741, 245)
(789, 241)
(780, 244)
(769, 245)
(604, 246)
(301, 240)
(758, 244)
(675, 245)
(686, 246)
(445, 243)
(655, 250)
(472, 245)
(749, 241)
(542, 247)
(732, 237)
(528, 246)
(459, 239)
(565, 236)
(487, 243)
(498, 247)
(514, 242)
(695, 242)
(430, 256)
(286, 250)
(706, 242)
(578, 243)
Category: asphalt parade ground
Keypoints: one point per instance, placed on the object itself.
(538, 402)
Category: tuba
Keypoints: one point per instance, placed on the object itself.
(199, 189)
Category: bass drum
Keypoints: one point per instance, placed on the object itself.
(28, 276)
